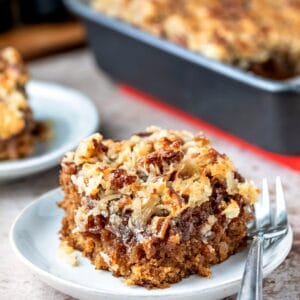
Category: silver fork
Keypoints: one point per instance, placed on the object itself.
(270, 224)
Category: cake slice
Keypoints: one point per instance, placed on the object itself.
(18, 130)
(155, 208)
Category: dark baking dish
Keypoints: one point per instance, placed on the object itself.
(262, 111)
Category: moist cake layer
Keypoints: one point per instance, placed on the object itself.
(258, 35)
(154, 208)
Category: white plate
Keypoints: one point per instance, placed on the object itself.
(34, 238)
(73, 117)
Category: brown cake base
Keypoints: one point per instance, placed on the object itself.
(17, 147)
(22, 144)
(156, 263)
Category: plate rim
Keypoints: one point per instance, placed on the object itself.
(46, 276)
(45, 161)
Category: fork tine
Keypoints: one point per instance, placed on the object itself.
(280, 216)
(262, 208)
(252, 278)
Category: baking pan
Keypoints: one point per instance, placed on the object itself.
(263, 112)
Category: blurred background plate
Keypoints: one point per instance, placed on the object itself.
(72, 117)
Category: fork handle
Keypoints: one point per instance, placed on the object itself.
(251, 288)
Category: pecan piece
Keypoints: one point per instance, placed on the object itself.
(120, 178)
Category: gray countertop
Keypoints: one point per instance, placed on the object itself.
(121, 116)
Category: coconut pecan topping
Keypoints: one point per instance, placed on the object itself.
(140, 184)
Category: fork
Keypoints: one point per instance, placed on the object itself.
(270, 225)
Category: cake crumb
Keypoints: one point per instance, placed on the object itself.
(67, 253)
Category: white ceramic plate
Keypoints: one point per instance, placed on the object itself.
(34, 238)
(73, 117)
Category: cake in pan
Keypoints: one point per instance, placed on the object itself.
(258, 35)
(155, 208)
(18, 130)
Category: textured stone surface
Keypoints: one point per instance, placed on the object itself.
(120, 117)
